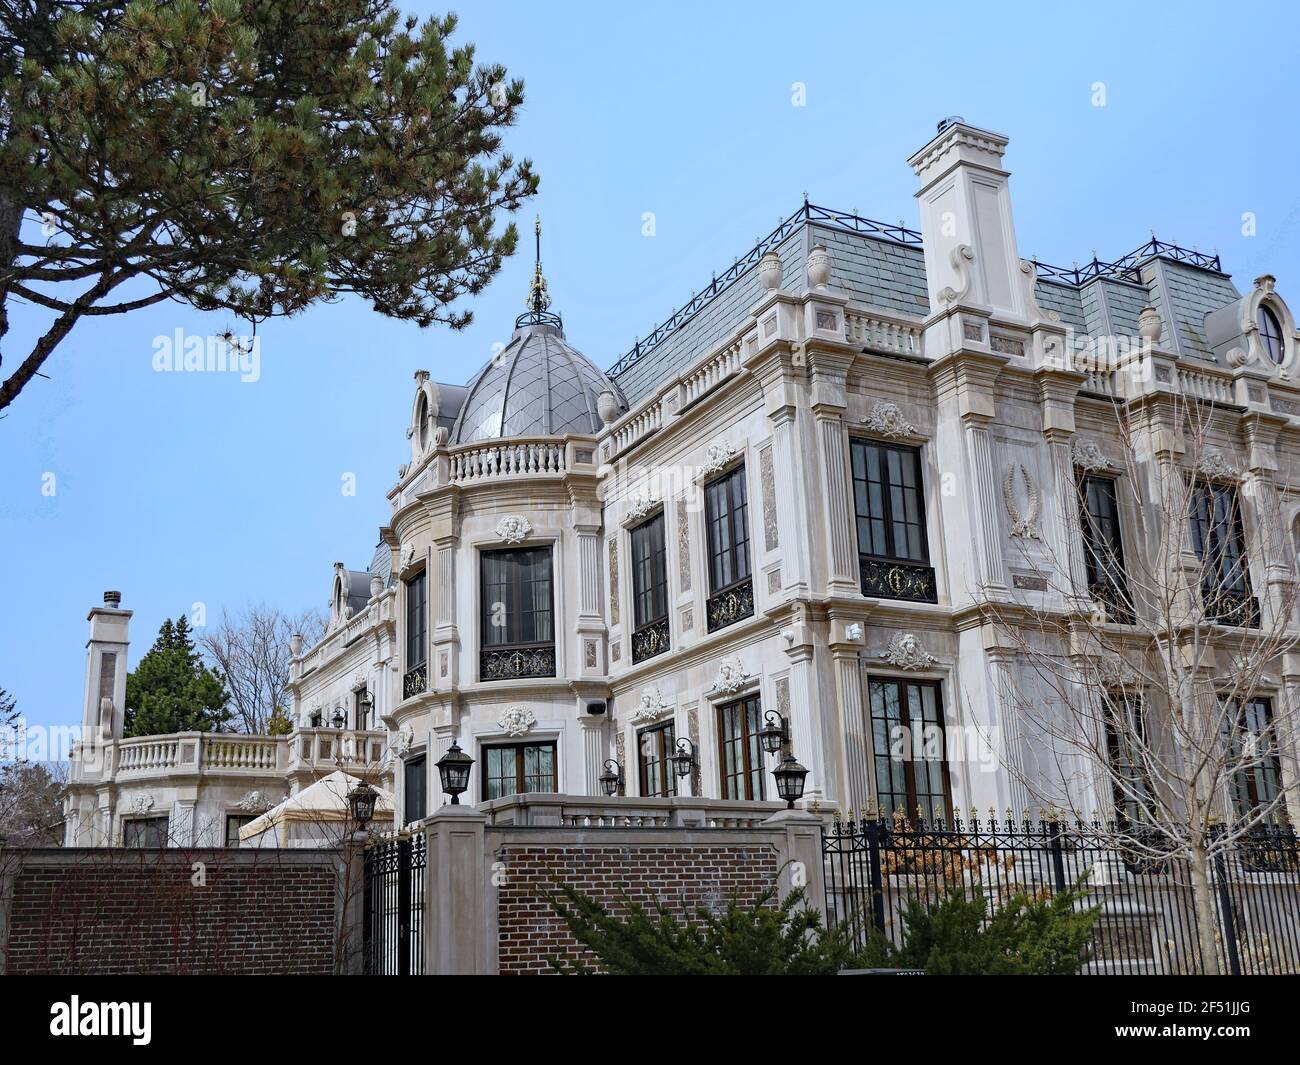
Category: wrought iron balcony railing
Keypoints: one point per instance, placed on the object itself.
(650, 640)
(730, 605)
(1231, 608)
(519, 661)
(415, 681)
(885, 579)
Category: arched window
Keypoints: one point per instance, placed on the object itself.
(1270, 335)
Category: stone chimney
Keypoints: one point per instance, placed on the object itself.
(104, 705)
(969, 236)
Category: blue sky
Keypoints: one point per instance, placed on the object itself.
(193, 488)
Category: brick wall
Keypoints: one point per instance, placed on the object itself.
(117, 911)
(685, 877)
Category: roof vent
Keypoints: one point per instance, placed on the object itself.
(112, 600)
(951, 120)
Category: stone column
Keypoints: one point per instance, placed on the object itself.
(979, 448)
(594, 748)
(1269, 539)
(857, 749)
(456, 895)
(791, 502)
(842, 578)
(1072, 576)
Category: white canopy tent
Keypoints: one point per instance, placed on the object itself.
(316, 817)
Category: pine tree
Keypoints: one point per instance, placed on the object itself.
(171, 690)
(252, 156)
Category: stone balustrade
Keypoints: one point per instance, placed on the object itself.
(521, 457)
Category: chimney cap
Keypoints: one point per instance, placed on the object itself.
(113, 599)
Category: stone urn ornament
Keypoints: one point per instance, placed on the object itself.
(1150, 324)
(819, 266)
(770, 271)
(607, 407)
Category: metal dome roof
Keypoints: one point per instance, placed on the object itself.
(537, 386)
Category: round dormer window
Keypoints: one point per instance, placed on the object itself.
(1270, 335)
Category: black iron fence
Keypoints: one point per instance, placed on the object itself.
(1143, 893)
(393, 916)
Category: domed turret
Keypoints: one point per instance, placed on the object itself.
(538, 385)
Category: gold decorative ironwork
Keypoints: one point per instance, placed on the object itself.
(732, 605)
(898, 580)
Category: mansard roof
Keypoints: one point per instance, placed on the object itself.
(883, 265)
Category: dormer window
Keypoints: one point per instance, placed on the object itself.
(1270, 334)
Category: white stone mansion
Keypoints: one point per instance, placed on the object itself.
(820, 488)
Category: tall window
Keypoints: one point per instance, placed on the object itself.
(1220, 544)
(144, 832)
(518, 630)
(1252, 742)
(1270, 334)
(742, 756)
(415, 789)
(726, 516)
(416, 623)
(889, 503)
(649, 589)
(359, 709)
(1126, 738)
(515, 768)
(908, 744)
(654, 749)
(1103, 547)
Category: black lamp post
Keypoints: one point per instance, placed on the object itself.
(453, 768)
(612, 779)
(362, 801)
(775, 733)
(789, 780)
(338, 719)
(684, 760)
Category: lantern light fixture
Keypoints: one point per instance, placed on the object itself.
(775, 732)
(453, 769)
(612, 779)
(684, 758)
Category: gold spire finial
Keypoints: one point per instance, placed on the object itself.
(538, 298)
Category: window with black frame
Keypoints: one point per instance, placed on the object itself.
(234, 822)
(742, 769)
(517, 768)
(415, 788)
(359, 714)
(654, 751)
(726, 519)
(649, 589)
(889, 504)
(1103, 547)
(1252, 746)
(518, 627)
(144, 832)
(1270, 334)
(909, 747)
(416, 678)
(1220, 543)
(1124, 717)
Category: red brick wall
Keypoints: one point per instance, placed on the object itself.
(684, 877)
(110, 912)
